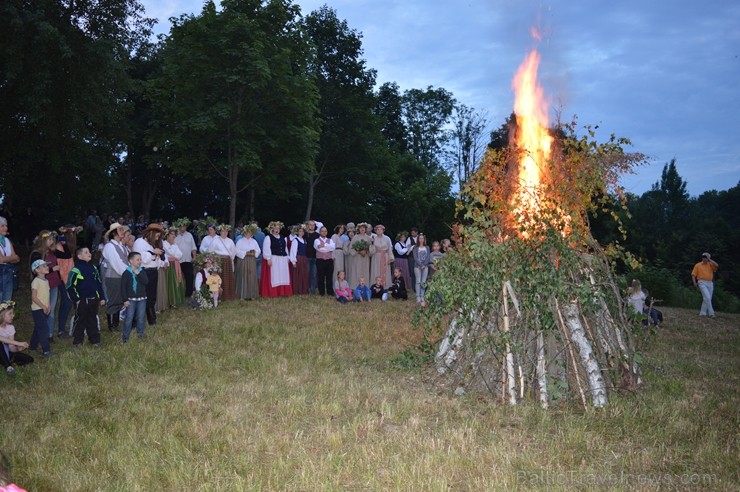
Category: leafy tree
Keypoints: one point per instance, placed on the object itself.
(427, 113)
(467, 141)
(235, 100)
(389, 108)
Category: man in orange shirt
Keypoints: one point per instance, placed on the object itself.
(703, 278)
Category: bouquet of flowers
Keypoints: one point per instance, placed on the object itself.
(361, 247)
(202, 299)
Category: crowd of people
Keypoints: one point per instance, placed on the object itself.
(136, 271)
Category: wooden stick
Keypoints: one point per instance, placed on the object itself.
(572, 356)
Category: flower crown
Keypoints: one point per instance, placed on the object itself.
(249, 228)
(66, 230)
(274, 224)
(182, 221)
(46, 234)
(223, 227)
(5, 305)
(203, 224)
(365, 225)
(202, 258)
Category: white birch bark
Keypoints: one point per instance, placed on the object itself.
(585, 351)
(541, 370)
(510, 376)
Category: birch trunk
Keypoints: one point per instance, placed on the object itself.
(541, 371)
(510, 376)
(585, 351)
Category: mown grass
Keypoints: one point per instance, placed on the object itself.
(307, 394)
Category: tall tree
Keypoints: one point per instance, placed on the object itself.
(346, 161)
(235, 100)
(427, 113)
(467, 141)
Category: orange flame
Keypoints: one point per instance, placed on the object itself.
(532, 136)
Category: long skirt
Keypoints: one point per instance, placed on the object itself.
(175, 280)
(245, 272)
(300, 276)
(279, 270)
(227, 275)
(402, 264)
(162, 301)
(338, 257)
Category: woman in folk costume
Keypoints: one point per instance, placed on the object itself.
(338, 254)
(381, 251)
(347, 251)
(174, 278)
(245, 269)
(360, 252)
(163, 300)
(149, 246)
(401, 252)
(275, 279)
(225, 248)
(299, 260)
(65, 253)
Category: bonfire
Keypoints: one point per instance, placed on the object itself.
(531, 306)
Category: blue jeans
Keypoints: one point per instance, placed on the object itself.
(706, 288)
(53, 297)
(65, 306)
(40, 331)
(421, 282)
(136, 309)
(6, 284)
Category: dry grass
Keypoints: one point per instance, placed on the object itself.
(307, 394)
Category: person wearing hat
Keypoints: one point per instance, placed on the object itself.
(115, 255)
(381, 251)
(40, 306)
(150, 247)
(703, 277)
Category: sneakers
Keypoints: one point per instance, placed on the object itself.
(48, 353)
(10, 370)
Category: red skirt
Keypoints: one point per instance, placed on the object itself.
(266, 288)
(300, 279)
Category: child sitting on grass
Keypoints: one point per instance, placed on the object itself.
(362, 291)
(398, 287)
(342, 289)
(377, 291)
(10, 349)
(40, 307)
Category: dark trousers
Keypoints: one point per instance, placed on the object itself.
(9, 358)
(40, 331)
(151, 295)
(187, 272)
(86, 320)
(324, 276)
(65, 305)
(412, 274)
(114, 301)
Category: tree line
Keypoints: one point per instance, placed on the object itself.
(247, 111)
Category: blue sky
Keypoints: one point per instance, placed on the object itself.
(664, 74)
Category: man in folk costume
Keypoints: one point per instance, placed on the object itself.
(116, 261)
(381, 252)
(275, 281)
(324, 247)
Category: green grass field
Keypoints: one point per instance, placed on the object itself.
(307, 394)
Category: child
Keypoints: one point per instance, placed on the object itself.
(398, 287)
(214, 285)
(435, 257)
(40, 307)
(133, 289)
(377, 291)
(362, 291)
(342, 289)
(85, 290)
(10, 350)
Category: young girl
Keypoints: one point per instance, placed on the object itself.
(422, 259)
(398, 287)
(401, 251)
(342, 289)
(377, 290)
(434, 258)
(44, 248)
(214, 285)
(40, 307)
(10, 349)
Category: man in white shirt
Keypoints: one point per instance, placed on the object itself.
(186, 242)
(116, 260)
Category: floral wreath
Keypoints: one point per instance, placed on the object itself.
(274, 224)
(46, 234)
(402, 233)
(65, 229)
(5, 305)
(365, 225)
(249, 228)
(203, 224)
(182, 221)
(223, 227)
(201, 259)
